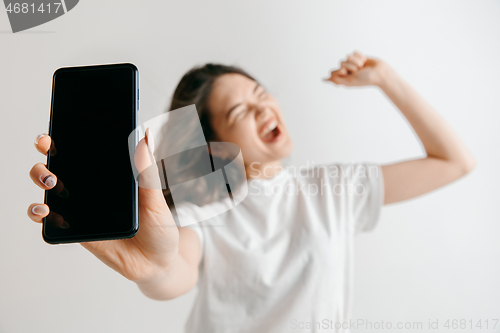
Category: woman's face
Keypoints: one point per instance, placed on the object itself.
(242, 112)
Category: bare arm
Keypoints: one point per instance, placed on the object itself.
(182, 274)
(447, 157)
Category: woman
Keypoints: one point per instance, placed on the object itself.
(281, 261)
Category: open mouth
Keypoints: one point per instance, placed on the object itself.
(270, 131)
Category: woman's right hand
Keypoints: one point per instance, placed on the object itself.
(142, 258)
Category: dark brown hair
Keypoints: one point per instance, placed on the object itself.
(195, 88)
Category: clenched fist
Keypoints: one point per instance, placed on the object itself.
(359, 70)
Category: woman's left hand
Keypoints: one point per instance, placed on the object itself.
(359, 70)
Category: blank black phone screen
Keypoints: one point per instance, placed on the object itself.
(93, 112)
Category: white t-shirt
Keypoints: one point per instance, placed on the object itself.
(282, 259)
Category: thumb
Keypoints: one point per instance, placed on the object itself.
(150, 188)
(338, 76)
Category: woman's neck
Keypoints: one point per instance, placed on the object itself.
(263, 170)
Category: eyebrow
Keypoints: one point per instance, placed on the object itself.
(236, 105)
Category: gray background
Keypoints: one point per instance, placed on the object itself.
(432, 257)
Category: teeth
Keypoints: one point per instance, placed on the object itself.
(271, 127)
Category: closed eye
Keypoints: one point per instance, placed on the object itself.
(238, 112)
(263, 92)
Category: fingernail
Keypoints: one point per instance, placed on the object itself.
(150, 141)
(38, 137)
(39, 210)
(48, 181)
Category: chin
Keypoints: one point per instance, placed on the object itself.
(285, 150)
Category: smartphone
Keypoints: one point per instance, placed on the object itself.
(93, 112)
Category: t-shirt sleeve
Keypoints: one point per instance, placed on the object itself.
(365, 195)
